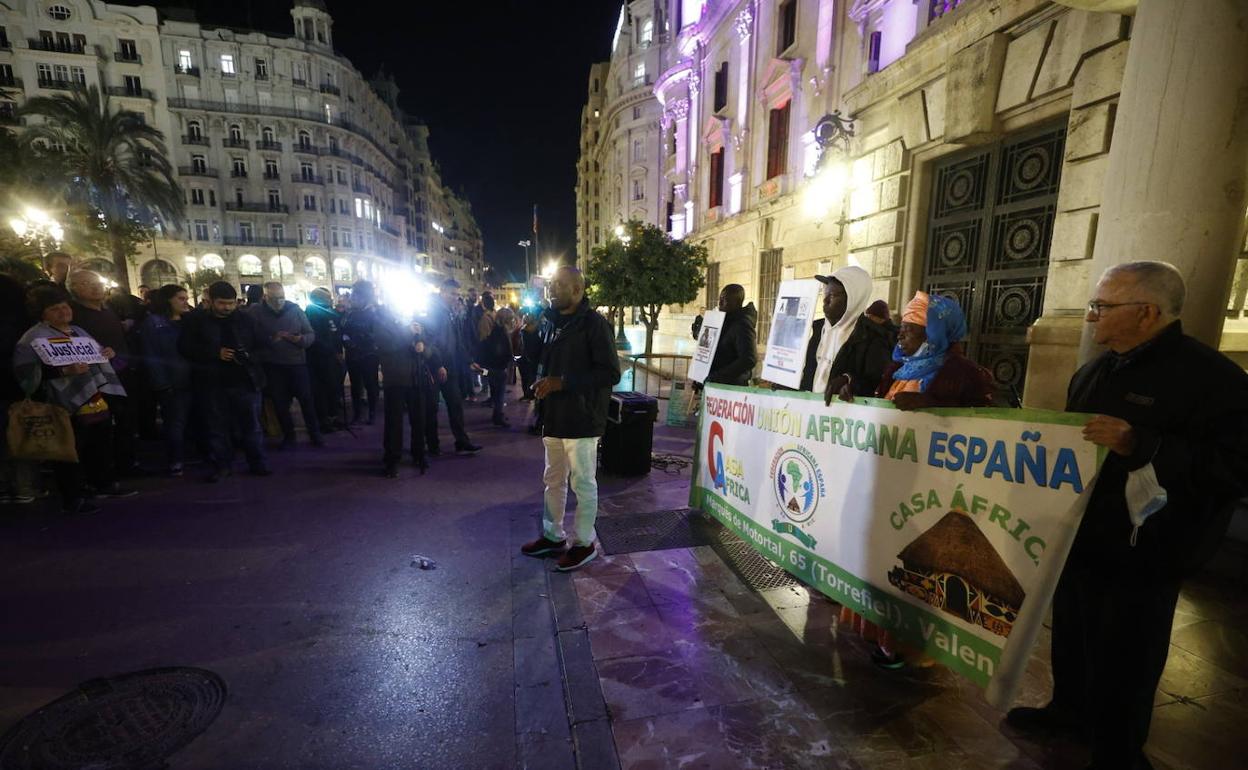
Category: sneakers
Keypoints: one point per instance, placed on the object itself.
(576, 557)
(542, 546)
(467, 449)
(116, 490)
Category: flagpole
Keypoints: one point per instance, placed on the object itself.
(537, 245)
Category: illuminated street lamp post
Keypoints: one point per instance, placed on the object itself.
(621, 340)
(526, 244)
(35, 227)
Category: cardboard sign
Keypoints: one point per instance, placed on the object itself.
(708, 341)
(67, 351)
(948, 528)
(797, 307)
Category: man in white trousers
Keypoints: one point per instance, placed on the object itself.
(577, 368)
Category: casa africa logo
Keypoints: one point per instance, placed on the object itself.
(798, 486)
(727, 473)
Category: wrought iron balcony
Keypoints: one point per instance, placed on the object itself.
(8, 81)
(242, 240)
(239, 173)
(265, 144)
(37, 44)
(301, 82)
(58, 84)
(197, 171)
(306, 149)
(131, 57)
(258, 208)
(193, 72)
(307, 178)
(272, 175)
(241, 144)
(201, 140)
(330, 88)
(133, 93)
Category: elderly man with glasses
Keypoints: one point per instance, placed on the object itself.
(1173, 415)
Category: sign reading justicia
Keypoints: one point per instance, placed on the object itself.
(948, 527)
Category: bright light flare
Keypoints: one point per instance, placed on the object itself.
(549, 270)
(826, 189)
(407, 295)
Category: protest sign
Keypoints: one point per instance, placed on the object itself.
(797, 303)
(708, 341)
(948, 527)
(67, 351)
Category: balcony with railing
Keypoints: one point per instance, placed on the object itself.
(200, 140)
(257, 208)
(307, 178)
(133, 93)
(272, 175)
(128, 57)
(198, 171)
(8, 81)
(192, 72)
(239, 173)
(300, 82)
(56, 46)
(330, 88)
(262, 76)
(238, 144)
(362, 188)
(59, 84)
(306, 149)
(390, 230)
(244, 240)
(268, 144)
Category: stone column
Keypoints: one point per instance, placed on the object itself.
(1178, 163)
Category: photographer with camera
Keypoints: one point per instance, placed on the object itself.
(406, 369)
(226, 378)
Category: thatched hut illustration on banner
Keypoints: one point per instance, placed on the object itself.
(953, 567)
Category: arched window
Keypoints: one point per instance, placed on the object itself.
(59, 12)
(212, 262)
(158, 272)
(195, 130)
(250, 264)
(267, 134)
(305, 139)
(281, 268)
(236, 132)
(342, 270)
(647, 31)
(192, 264)
(314, 268)
(361, 269)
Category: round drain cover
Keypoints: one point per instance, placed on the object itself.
(131, 721)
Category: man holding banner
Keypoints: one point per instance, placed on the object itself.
(847, 352)
(1173, 415)
(736, 354)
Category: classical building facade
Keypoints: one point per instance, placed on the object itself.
(1003, 152)
(295, 166)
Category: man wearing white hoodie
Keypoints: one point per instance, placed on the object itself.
(847, 352)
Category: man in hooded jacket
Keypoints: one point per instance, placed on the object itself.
(736, 354)
(847, 352)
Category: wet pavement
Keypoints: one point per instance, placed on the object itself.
(304, 592)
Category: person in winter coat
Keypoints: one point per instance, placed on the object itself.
(79, 389)
(407, 368)
(325, 358)
(444, 333)
(1173, 415)
(168, 373)
(736, 354)
(494, 355)
(221, 344)
(847, 352)
(579, 366)
(288, 334)
(358, 329)
(530, 354)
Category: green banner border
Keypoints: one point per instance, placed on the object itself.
(900, 618)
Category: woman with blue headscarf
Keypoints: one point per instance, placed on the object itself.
(928, 366)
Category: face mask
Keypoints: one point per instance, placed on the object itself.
(1145, 496)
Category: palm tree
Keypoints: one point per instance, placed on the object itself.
(110, 160)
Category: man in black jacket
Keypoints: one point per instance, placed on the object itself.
(220, 343)
(1173, 414)
(736, 354)
(444, 333)
(406, 374)
(579, 365)
(847, 352)
(325, 359)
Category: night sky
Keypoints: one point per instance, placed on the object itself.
(500, 84)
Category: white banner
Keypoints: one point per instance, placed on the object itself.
(948, 528)
(67, 351)
(797, 306)
(708, 342)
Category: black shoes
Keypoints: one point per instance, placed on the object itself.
(467, 449)
(542, 546)
(576, 557)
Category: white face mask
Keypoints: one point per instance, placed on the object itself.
(1145, 496)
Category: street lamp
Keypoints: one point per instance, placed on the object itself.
(526, 244)
(36, 228)
(549, 271)
(621, 340)
(832, 178)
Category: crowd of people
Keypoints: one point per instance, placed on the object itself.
(206, 377)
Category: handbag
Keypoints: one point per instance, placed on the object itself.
(39, 432)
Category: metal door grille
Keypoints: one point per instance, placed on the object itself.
(712, 285)
(988, 243)
(769, 262)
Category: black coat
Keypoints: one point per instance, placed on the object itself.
(1188, 405)
(580, 350)
(401, 364)
(326, 326)
(444, 335)
(203, 336)
(358, 332)
(864, 356)
(736, 354)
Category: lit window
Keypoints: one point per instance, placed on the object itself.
(359, 207)
(227, 64)
(639, 72)
(184, 60)
(647, 31)
(59, 12)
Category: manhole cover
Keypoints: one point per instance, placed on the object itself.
(655, 531)
(130, 721)
(754, 569)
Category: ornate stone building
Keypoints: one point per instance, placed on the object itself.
(1003, 152)
(295, 166)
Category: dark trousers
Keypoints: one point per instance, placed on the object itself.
(326, 374)
(498, 390)
(400, 399)
(175, 410)
(94, 442)
(1111, 636)
(285, 381)
(363, 374)
(454, 412)
(232, 411)
(122, 412)
(528, 375)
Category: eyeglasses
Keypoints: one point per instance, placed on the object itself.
(1096, 307)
